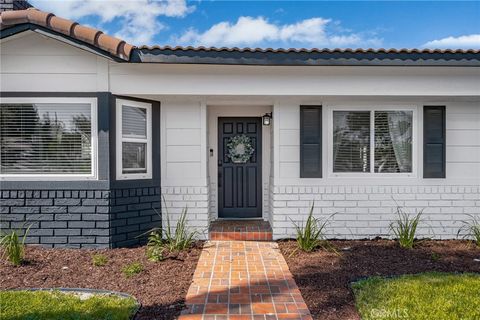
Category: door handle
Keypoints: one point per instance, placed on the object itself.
(219, 163)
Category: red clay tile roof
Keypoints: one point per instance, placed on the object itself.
(116, 47)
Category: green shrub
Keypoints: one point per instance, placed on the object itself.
(312, 235)
(132, 269)
(13, 247)
(405, 228)
(99, 260)
(162, 241)
(471, 229)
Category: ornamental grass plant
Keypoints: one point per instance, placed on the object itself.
(405, 228)
(14, 247)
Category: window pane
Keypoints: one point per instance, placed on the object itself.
(45, 139)
(134, 121)
(351, 141)
(133, 157)
(393, 141)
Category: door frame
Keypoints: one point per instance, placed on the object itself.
(237, 108)
(259, 164)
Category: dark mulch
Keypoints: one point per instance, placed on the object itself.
(160, 288)
(324, 278)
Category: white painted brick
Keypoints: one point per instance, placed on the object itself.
(279, 204)
(196, 197)
(451, 196)
(369, 203)
(300, 204)
(451, 210)
(403, 197)
(463, 203)
(333, 197)
(415, 203)
(427, 196)
(472, 210)
(286, 197)
(381, 196)
(440, 203)
(345, 203)
(356, 196)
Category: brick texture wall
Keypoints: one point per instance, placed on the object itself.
(195, 199)
(133, 213)
(81, 218)
(367, 211)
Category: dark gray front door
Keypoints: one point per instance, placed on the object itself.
(239, 167)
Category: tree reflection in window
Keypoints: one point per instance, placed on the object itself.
(45, 139)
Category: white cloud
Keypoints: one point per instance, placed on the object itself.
(471, 41)
(138, 18)
(250, 31)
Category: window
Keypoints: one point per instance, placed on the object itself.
(373, 141)
(47, 137)
(134, 141)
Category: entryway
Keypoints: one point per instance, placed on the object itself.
(239, 167)
(239, 161)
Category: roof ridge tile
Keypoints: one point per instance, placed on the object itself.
(115, 46)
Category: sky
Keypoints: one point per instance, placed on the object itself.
(280, 24)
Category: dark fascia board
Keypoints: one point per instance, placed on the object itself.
(292, 58)
(19, 28)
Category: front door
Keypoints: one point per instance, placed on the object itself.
(239, 167)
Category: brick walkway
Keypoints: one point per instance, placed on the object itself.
(243, 280)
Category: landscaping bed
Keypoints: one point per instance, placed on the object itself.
(159, 286)
(325, 278)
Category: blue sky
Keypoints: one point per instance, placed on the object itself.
(354, 24)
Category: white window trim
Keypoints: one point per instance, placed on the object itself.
(372, 108)
(94, 132)
(119, 139)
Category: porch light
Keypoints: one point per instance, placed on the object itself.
(267, 119)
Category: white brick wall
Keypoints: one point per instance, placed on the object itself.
(195, 199)
(367, 211)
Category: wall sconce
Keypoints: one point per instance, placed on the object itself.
(267, 119)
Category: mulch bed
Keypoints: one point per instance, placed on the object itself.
(161, 287)
(324, 278)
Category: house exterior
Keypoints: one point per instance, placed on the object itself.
(95, 131)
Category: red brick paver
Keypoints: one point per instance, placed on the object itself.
(243, 280)
(240, 230)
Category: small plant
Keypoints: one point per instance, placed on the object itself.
(155, 246)
(162, 241)
(312, 235)
(99, 260)
(132, 269)
(405, 228)
(180, 239)
(471, 229)
(13, 247)
(435, 256)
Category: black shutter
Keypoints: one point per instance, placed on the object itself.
(434, 146)
(310, 141)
